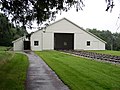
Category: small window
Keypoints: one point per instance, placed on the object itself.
(88, 43)
(36, 43)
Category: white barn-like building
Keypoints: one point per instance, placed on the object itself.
(62, 34)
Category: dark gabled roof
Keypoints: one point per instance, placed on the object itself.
(76, 26)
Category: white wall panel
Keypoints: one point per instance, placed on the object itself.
(18, 45)
(37, 36)
(48, 41)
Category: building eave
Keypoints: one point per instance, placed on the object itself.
(86, 31)
(76, 26)
(18, 39)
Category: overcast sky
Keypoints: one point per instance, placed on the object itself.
(94, 16)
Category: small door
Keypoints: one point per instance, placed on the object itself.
(26, 45)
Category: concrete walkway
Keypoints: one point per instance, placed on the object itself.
(40, 76)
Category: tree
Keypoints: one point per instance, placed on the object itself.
(116, 41)
(8, 32)
(4, 30)
(112, 39)
(110, 5)
(26, 11)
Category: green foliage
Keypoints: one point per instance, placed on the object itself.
(5, 35)
(112, 39)
(26, 11)
(8, 32)
(116, 41)
(13, 69)
(83, 74)
(17, 32)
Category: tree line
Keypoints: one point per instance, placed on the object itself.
(9, 32)
(112, 39)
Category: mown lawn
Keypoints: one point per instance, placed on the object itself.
(13, 67)
(116, 53)
(83, 74)
(3, 48)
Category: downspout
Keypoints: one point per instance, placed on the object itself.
(43, 31)
(42, 41)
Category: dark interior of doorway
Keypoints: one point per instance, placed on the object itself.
(63, 41)
(26, 45)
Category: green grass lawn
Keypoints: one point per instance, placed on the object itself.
(116, 53)
(83, 74)
(3, 48)
(13, 67)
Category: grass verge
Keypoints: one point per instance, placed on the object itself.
(116, 53)
(3, 48)
(83, 74)
(13, 67)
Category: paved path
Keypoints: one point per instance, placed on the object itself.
(40, 76)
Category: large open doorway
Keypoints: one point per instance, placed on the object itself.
(26, 45)
(63, 41)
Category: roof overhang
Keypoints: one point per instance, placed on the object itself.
(19, 39)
